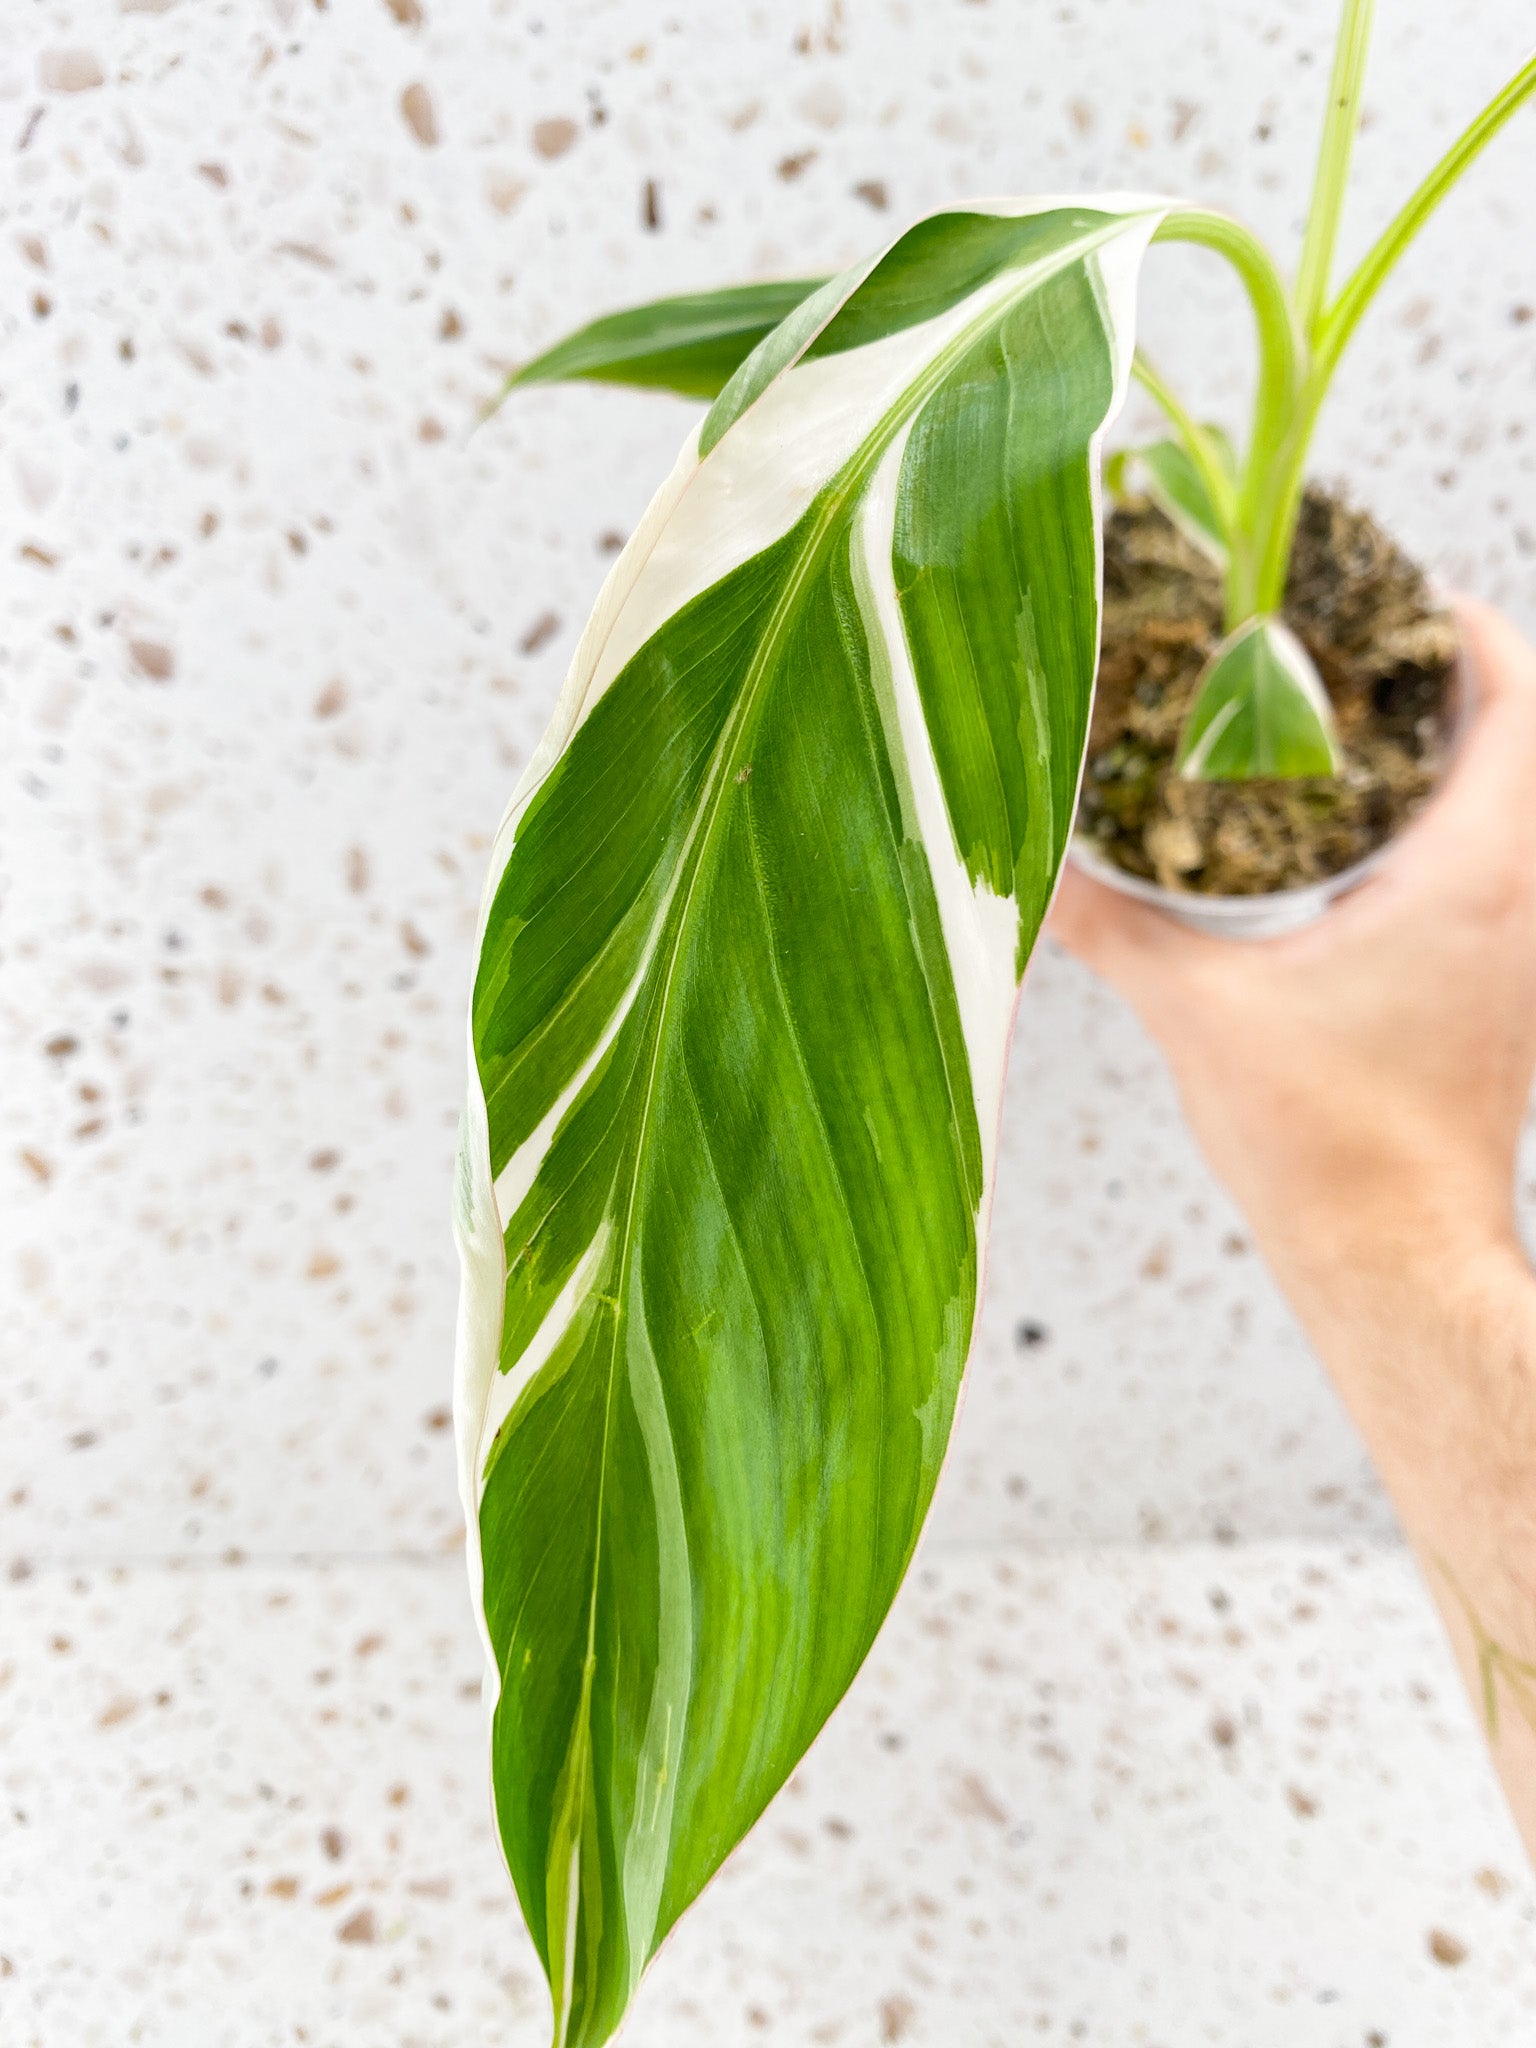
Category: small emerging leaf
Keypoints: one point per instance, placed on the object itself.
(690, 345)
(1260, 710)
(1175, 485)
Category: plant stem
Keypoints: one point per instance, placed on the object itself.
(1266, 292)
(1280, 351)
(1275, 528)
(1218, 485)
(1339, 125)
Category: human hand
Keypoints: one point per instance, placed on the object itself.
(1359, 1085)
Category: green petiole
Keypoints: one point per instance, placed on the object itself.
(1340, 123)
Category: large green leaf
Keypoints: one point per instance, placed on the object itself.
(747, 972)
(690, 344)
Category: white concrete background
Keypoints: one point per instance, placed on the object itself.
(267, 607)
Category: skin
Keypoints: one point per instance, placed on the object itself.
(1360, 1087)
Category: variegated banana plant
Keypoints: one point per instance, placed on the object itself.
(748, 963)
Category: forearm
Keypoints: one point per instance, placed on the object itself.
(1434, 1350)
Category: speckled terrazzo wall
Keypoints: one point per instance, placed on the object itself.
(278, 627)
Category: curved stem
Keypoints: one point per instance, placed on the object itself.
(1339, 125)
(1287, 476)
(1213, 474)
(1280, 352)
(1272, 314)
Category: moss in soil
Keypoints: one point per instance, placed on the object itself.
(1385, 651)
